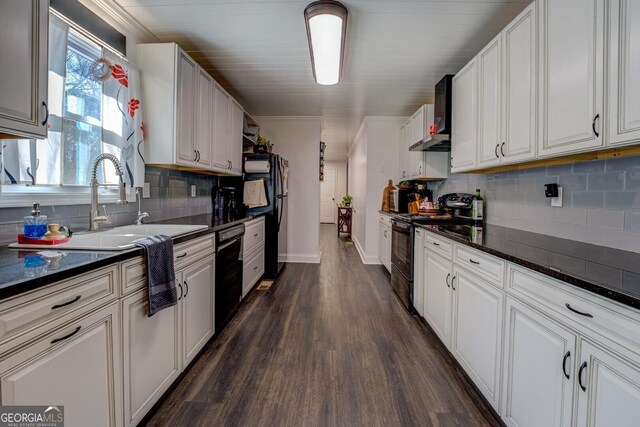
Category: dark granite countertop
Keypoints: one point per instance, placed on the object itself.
(612, 273)
(25, 270)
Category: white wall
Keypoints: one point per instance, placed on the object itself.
(374, 155)
(297, 139)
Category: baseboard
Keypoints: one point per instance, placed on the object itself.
(304, 258)
(366, 259)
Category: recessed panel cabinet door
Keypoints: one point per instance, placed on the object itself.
(624, 72)
(235, 136)
(477, 331)
(77, 366)
(220, 151)
(609, 389)
(489, 100)
(438, 295)
(185, 114)
(465, 123)
(519, 91)
(571, 75)
(197, 307)
(418, 271)
(204, 118)
(24, 67)
(539, 360)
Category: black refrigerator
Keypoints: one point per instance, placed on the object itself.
(274, 170)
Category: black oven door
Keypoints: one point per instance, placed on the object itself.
(402, 248)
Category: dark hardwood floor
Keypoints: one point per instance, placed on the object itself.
(329, 345)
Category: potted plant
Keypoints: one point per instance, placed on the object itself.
(346, 201)
(263, 145)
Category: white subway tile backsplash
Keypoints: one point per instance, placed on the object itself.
(632, 221)
(625, 240)
(605, 218)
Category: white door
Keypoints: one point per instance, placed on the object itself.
(608, 388)
(235, 136)
(24, 70)
(490, 102)
(151, 347)
(465, 123)
(328, 196)
(220, 150)
(623, 122)
(571, 71)
(477, 331)
(539, 360)
(185, 115)
(519, 88)
(438, 295)
(203, 119)
(77, 366)
(197, 307)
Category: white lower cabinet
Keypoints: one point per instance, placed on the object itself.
(252, 253)
(418, 271)
(384, 245)
(539, 361)
(77, 365)
(477, 331)
(608, 390)
(438, 295)
(198, 307)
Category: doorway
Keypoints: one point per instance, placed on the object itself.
(328, 189)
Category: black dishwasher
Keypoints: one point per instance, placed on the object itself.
(228, 274)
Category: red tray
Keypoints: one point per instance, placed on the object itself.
(24, 240)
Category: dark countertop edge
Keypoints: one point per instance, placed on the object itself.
(569, 279)
(387, 213)
(28, 285)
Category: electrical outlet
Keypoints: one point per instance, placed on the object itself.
(193, 191)
(146, 191)
(556, 202)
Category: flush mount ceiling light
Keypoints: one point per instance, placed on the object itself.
(326, 22)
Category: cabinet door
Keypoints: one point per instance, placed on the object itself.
(77, 366)
(611, 395)
(151, 347)
(623, 121)
(185, 114)
(465, 123)
(437, 295)
(519, 88)
(387, 248)
(490, 102)
(24, 67)
(418, 270)
(235, 136)
(405, 131)
(197, 307)
(418, 125)
(571, 74)
(477, 333)
(539, 360)
(381, 243)
(220, 150)
(203, 119)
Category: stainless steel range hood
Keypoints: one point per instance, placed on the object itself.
(434, 142)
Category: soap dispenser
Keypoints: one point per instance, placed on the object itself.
(35, 225)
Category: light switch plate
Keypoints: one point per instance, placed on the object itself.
(556, 202)
(193, 191)
(146, 191)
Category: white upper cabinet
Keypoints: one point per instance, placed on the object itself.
(420, 165)
(192, 120)
(24, 67)
(519, 90)
(464, 113)
(418, 130)
(623, 123)
(405, 133)
(490, 100)
(571, 75)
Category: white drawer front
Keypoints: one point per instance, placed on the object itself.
(385, 219)
(187, 252)
(78, 295)
(133, 274)
(253, 235)
(554, 297)
(439, 245)
(489, 267)
(253, 269)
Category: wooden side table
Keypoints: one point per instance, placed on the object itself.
(345, 219)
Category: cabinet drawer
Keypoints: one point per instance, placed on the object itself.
(438, 245)
(133, 274)
(554, 297)
(253, 235)
(253, 269)
(385, 219)
(78, 295)
(489, 267)
(190, 251)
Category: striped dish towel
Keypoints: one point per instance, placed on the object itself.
(161, 277)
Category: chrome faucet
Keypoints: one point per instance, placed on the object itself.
(141, 215)
(95, 219)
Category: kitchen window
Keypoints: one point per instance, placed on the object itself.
(92, 111)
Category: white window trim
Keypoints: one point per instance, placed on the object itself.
(24, 196)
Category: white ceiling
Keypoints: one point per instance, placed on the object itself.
(396, 51)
